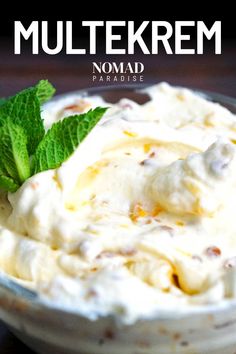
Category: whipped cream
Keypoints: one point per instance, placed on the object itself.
(139, 219)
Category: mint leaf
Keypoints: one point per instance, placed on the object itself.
(8, 184)
(23, 109)
(45, 91)
(14, 158)
(62, 139)
(2, 169)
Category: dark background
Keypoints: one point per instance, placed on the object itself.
(70, 72)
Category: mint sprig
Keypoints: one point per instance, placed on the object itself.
(25, 148)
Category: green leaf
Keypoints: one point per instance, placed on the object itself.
(23, 109)
(63, 138)
(2, 169)
(14, 158)
(8, 184)
(45, 91)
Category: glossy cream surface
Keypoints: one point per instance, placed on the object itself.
(140, 218)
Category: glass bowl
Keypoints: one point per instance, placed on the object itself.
(49, 329)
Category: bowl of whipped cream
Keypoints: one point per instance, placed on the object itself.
(130, 245)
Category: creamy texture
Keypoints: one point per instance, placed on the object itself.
(140, 218)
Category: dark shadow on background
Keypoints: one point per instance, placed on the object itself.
(9, 344)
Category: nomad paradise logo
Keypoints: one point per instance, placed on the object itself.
(117, 72)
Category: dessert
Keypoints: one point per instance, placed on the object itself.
(140, 217)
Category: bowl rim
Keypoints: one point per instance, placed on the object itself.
(33, 298)
(208, 94)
